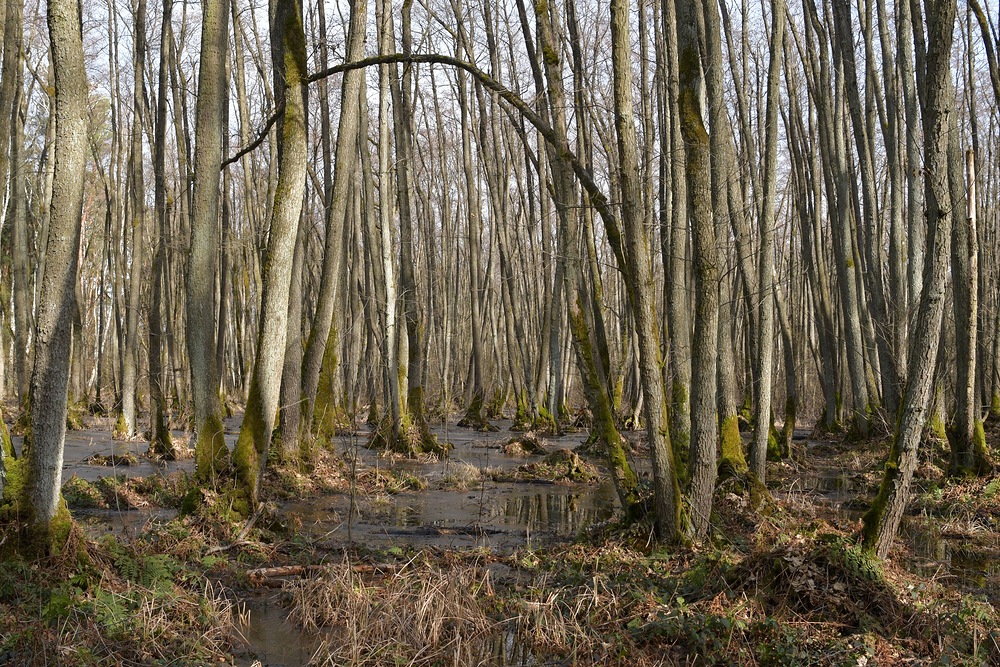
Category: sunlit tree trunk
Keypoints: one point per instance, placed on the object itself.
(210, 446)
(765, 273)
(639, 276)
(698, 169)
(127, 426)
(882, 521)
(288, 49)
(345, 170)
(160, 442)
(47, 516)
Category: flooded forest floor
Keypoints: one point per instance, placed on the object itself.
(503, 554)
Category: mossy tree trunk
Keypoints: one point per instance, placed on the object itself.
(590, 358)
(674, 249)
(288, 49)
(698, 173)
(336, 201)
(732, 459)
(47, 514)
(211, 454)
(937, 101)
(639, 278)
(421, 440)
(791, 388)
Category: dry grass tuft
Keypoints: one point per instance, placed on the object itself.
(417, 616)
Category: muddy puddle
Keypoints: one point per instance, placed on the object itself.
(461, 506)
(968, 561)
(270, 639)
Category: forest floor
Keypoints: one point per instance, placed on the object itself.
(497, 557)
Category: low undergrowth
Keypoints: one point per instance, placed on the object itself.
(813, 599)
(106, 602)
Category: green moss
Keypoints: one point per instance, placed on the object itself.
(14, 488)
(474, 415)
(546, 423)
(120, 429)
(733, 461)
(74, 415)
(618, 394)
(59, 528)
(210, 452)
(247, 455)
(495, 407)
(979, 449)
(773, 446)
(875, 516)
(995, 406)
(6, 444)
(970, 458)
(191, 502)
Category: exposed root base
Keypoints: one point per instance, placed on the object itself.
(410, 441)
(477, 422)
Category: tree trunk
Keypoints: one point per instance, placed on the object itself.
(127, 426)
(48, 518)
(698, 175)
(638, 273)
(210, 446)
(345, 170)
(160, 441)
(882, 521)
(288, 49)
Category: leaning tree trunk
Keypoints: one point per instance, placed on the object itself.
(882, 521)
(48, 518)
(288, 49)
(210, 446)
(346, 159)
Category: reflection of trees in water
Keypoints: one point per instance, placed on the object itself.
(556, 512)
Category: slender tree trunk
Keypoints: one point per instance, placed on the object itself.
(639, 274)
(288, 49)
(210, 446)
(882, 521)
(698, 175)
(48, 518)
(765, 320)
(345, 171)
(127, 426)
(968, 440)
(160, 441)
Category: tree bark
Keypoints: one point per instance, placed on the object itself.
(288, 49)
(210, 446)
(882, 521)
(48, 518)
